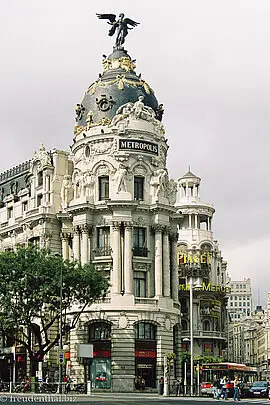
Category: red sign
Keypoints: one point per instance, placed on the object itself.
(102, 353)
(145, 353)
(67, 355)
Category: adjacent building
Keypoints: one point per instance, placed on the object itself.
(240, 300)
(200, 260)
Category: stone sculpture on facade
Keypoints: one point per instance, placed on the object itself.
(77, 181)
(137, 110)
(120, 26)
(171, 191)
(66, 191)
(121, 179)
(44, 156)
(159, 182)
(80, 109)
(88, 184)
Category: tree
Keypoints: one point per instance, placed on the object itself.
(30, 296)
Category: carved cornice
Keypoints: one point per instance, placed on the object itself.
(86, 228)
(128, 224)
(65, 235)
(77, 229)
(116, 225)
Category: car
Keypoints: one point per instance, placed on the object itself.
(206, 388)
(259, 389)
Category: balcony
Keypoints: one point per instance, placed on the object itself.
(106, 300)
(202, 334)
(146, 301)
(102, 251)
(140, 251)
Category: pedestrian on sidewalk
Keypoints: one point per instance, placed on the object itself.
(216, 384)
(236, 387)
(223, 392)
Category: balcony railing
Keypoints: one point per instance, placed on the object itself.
(140, 251)
(103, 251)
(146, 301)
(106, 300)
(205, 334)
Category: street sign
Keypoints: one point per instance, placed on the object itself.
(61, 357)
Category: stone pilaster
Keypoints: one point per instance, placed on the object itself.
(85, 244)
(76, 244)
(65, 247)
(128, 274)
(116, 272)
(174, 265)
(166, 264)
(158, 260)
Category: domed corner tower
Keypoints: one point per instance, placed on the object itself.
(119, 214)
(200, 260)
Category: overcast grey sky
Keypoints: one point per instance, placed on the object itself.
(208, 62)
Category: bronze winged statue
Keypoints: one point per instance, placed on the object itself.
(120, 26)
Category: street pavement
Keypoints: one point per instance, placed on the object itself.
(118, 399)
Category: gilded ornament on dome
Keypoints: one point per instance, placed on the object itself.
(124, 63)
(121, 81)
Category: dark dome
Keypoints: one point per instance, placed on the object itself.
(118, 85)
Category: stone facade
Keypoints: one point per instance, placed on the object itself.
(110, 201)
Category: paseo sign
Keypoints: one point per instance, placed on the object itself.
(205, 257)
(207, 287)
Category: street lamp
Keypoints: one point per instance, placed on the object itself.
(60, 352)
(191, 286)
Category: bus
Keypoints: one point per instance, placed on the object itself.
(246, 375)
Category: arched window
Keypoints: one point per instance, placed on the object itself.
(99, 331)
(40, 178)
(145, 331)
(206, 325)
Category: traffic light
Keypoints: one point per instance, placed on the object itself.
(61, 358)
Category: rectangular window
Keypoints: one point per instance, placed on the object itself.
(39, 200)
(138, 188)
(139, 242)
(10, 212)
(103, 187)
(40, 179)
(103, 241)
(24, 206)
(139, 284)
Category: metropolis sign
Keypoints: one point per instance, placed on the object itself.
(138, 146)
(207, 287)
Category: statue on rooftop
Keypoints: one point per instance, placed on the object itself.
(120, 26)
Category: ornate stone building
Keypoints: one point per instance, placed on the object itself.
(199, 258)
(110, 201)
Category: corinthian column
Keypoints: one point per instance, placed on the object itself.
(158, 260)
(76, 243)
(65, 252)
(116, 254)
(174, 266)
(128, 273)
(166, 265)
(85, 244)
